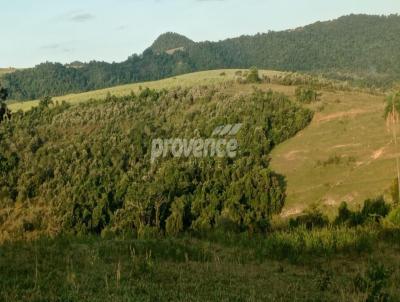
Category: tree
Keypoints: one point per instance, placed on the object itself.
(392, 111)
(45, 102)
(4, 112)
(306, 95)
(253, 76)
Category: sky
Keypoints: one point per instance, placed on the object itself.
(36, 31)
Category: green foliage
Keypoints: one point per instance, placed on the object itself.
(45, 102)
(253, 76)
(306, 95)
(374, 283)
(175, 222)
(392, 108)
(4, 112)
(373, 210)
(394, 216)
(90, 164)
(170, 41)
(312, 218)
(319, 265)
(347, 217)
(394, 191)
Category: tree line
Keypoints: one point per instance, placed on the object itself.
(358, 48)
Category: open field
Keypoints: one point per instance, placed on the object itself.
(346, 154)
(221, 268)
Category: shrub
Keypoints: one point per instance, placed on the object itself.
(306, 95)
(394, 216)
(376, 208)
(374, 282)
(394, 191)
(348, 217)
(312, 218)
(175, 222)
(253, 76)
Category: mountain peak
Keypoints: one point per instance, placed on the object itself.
(170, 41)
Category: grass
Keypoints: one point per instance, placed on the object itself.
(218, 268)
(349, 136)
(187, 80)
(6, 70)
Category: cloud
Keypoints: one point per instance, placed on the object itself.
(81, 17)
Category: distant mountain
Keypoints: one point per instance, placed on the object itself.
(361, 47)
(171, 41)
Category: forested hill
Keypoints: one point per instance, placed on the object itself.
(356, 46)
(171, 41)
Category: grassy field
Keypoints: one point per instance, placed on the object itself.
(346, 154)
(187, 80)
(219, 268)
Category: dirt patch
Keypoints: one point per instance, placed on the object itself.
(291, 212)
(292, 154)
(345, 146)
(378, 153)
(337, 115)
(330, 202)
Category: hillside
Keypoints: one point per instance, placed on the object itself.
(64, 151)
(212, 227)
(360, 48)
(348, 125)
(209, 77)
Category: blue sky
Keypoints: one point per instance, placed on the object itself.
(34, 31)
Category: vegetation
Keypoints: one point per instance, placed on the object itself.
(356, 48)
(306, 95)
(4, 112)
(325, 263)
(253, 76)
(57, 159)
(180, 229)
(170, 41)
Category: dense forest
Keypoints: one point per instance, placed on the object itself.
(87, 168)
(360, 48)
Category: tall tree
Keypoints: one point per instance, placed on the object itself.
(4, 112)
(392, 114)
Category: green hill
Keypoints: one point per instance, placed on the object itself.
(360, 48)
(170, 41)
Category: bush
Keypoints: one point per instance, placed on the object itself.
(394, 216)
(253, 76)
(306, 95)
(175, 222)
(374, 283)
(375, 208)
(312, 218)
(348, 217)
